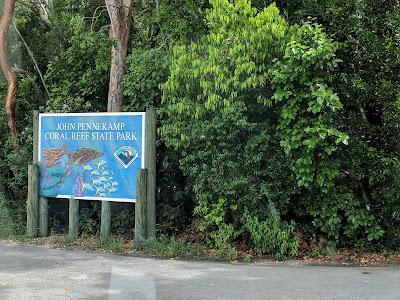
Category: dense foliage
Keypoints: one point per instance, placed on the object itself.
(253, 88)
(367, 82)
(277, 121)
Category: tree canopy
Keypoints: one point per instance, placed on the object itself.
(278, 122)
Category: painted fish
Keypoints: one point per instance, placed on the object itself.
(95, 172)
(52, 156)
(100, 163)
(100, 190)
(78, 187)
(96, 182)
(87, 168)
(107, 184)
(87, 187)
(80, 156)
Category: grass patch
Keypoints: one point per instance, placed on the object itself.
(114, 243)
(8, 229)
(172, 247)
(163, 246)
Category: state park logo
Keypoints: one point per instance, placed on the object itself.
(126, 155)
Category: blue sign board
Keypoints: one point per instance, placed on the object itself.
(93, 156)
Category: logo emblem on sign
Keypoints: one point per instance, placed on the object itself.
(126, 155)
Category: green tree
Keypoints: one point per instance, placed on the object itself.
(367, 81)
(251, 94)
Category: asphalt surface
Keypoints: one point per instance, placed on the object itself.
(30, 272)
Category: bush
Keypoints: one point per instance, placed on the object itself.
(271, 236)
(8, 227)
(248, 102)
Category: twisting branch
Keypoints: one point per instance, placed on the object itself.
(45, 6)
(104, 28)
(33, 59)
(12, 81)
(95, 16)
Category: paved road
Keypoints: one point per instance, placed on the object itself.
(40, 273)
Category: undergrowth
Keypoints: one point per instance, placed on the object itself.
(8, 228)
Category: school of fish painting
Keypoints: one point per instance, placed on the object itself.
(99, 169)
(94, 177)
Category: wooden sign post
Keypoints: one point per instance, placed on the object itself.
(150, 165)
(99, 156)
(33, 201)
(73, 218)
(141, 208)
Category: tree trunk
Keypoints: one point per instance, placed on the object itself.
(120, 12)
(9, 103)
(120, 17)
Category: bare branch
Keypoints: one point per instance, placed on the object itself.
(104, 28)
(33, 59)
(45, 6)
(95, 17)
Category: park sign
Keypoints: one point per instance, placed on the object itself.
(92, 156)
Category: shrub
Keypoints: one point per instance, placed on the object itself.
(271, 236)
(250, 101)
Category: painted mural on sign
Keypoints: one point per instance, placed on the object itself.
(91, 156)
